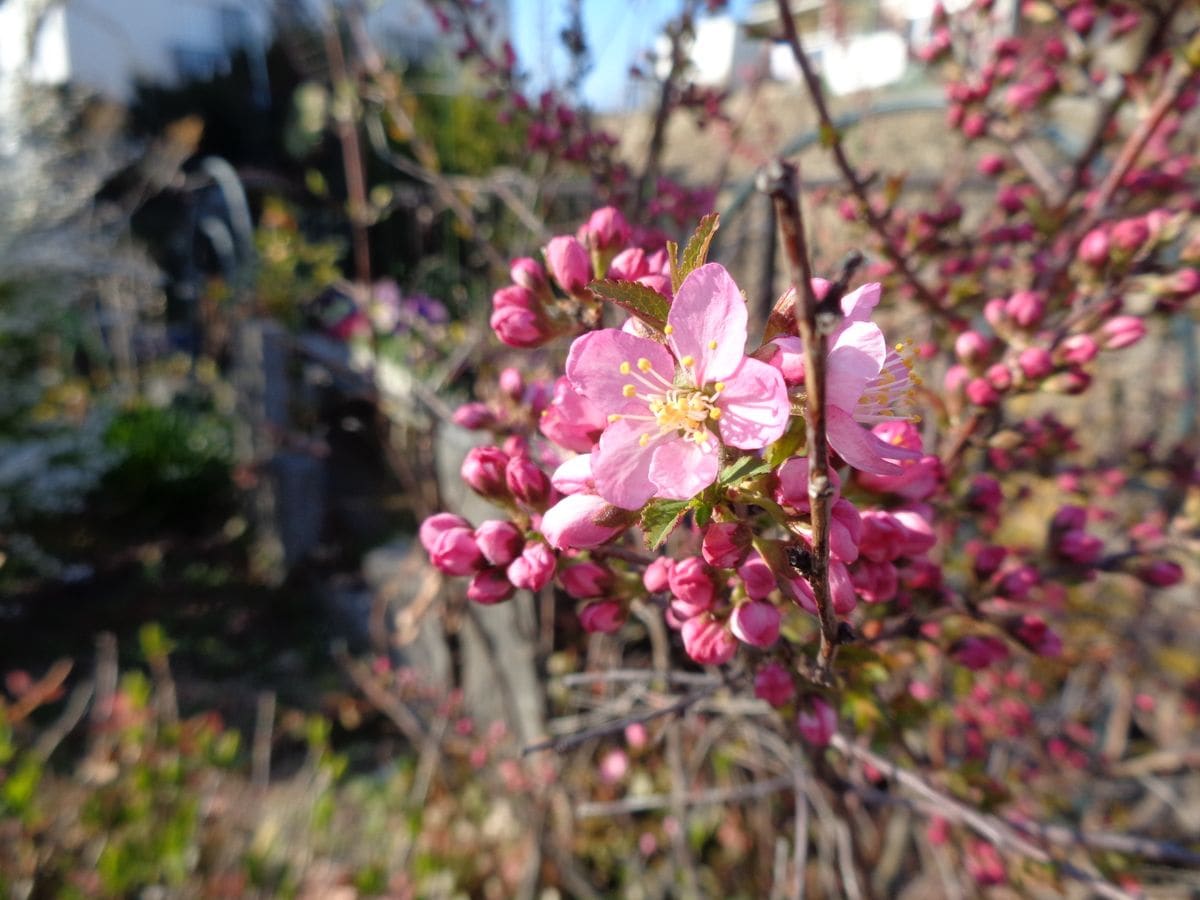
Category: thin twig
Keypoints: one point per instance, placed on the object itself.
(264, 728)
(780, 179)
(831, 137)
(711, 797)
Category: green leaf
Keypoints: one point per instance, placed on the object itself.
(741, 469)
(673, 263)
(704, 512)
(695, 254)
(660, 518)
(636, 299)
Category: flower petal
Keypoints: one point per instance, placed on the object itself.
(621, 465)
(681, 469)
(594, 365)
(856, 357)
(860, 448)
(754, 406)
(858, 304)
(708, 321)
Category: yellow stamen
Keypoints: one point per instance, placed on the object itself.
(614, 417)
(719, 386)
(688, 361)
(712, 345)
(625, 368)
(644, 440)
(668, 329)
(628, 391)
(644, 364)
(714, 414)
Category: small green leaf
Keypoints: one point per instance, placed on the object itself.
(746, 467)
(828, 135)
(636, 299)
(704, 513)
(660, 518)
(673, 264)
(695, 254)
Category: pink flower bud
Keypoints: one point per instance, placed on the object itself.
(534, 568)
(483, 471)
(586, 580)
(1129, 235)
(690, 583)
(602, 617)
(581, 522)
(499, 541)
(972, 348)
(845, 530)
(816, 721)
(629, 265)
(985, 864)
(455, 552)
(512, 383)
(1081, 17)
(1026, 308)
(988, 560)
(606, 230)
(995, 311)
(991, 164)
(1035, 362)
(527, 482)
(725, 544)
(774, 684)
(756, 623)
(1079, 349)
(657, 576)
(875, 582)
(518, 319)
(432, 528)
(614, 766)
(1000, 377)
(1034, 633)
(529, 274)
(571, 420)
(1161, 573)
(1017, 583)
(490, 586)
(956, 379)
(1185, 282)
(1080, 547)
(569, 264)
(707, 641)
(977, 653)
(981, 393)
(757, 577)
(985, 494)
(474, 416)
(1094, 248)
(1122, 331)
(917, 533)
(787, 355)
(793, 483)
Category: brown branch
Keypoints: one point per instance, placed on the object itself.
(352, 160)
(831, 138)
(779, 180)
(999, 833)
(711, 797)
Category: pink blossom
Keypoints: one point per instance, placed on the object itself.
(629, 265)
(574, 476)
(708, 641)
(454, 552)
(585, 580)
(757, 577)
(816, 721)
(657, 577)
(474, 416)
(602, 617)
(978, 653)
(774, 684)
(866, 383)
(692, 586)
(483, 470)
(432, 527)
(569, 264)
(1161, 573)
(512, 383)
(499, 541)
(527, 482)
(1094, 248)
(518, 318)
(660, 400)
(529, 274)
(606, 230)
(1026, 308)
(919, 478)
(756, 623)
(876, 582)
(534, 568)
(787, 355)
(490, 586)
(570, 420)
(725, 544)
(1034, 633)
(1079, 349)
(580, 522)
(1122, 331)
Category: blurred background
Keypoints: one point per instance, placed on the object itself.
(246, 256)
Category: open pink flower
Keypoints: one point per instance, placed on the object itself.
(662, 402)
(867, 383)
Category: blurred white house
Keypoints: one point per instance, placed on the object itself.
(108, 45)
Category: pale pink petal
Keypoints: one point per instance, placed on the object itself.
(754, 406)
(594, 365)
(574, 476)
(708, 318)
(857, 304)
(621, 465)
(857, 355)
(681, 469)
(860, 448)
